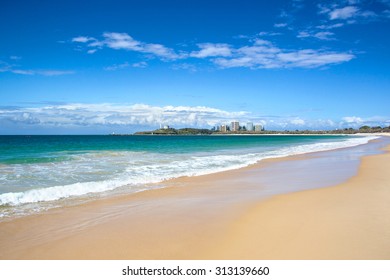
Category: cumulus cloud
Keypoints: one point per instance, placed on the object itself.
(257, 53)
(264, 54)
(83, 39)
(212, 50)
(95, 117)
(352, 119)
(113, 114)
(351, 13)
(298, 121)
(343, 13)
(356, 122)
(123, 41)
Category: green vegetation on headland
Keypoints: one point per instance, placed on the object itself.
(197, 131)
(173, 131)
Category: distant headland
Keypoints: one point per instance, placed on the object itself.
(214, 131)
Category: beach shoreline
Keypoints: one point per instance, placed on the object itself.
(191, 220)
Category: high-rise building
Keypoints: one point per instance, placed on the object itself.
(235, 126)
(258, 127)
(249, 126)
(223, 128)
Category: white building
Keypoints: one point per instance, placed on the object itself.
(223, 128)
(235, 126)
(258, 127)
(249, 126)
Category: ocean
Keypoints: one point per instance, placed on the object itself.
(43, 172)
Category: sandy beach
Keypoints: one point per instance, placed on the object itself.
(220, 216)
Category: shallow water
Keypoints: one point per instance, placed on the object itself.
(42, 172)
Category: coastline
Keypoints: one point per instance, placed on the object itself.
(191, 220)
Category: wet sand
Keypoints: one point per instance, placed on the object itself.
(229, 215)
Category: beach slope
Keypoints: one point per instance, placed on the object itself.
(203, 218)
(348, 221)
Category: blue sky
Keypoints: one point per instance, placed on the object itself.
(104, 66)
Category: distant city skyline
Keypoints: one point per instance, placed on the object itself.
(78, 67)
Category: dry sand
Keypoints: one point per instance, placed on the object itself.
(205, 218)
(348, 221)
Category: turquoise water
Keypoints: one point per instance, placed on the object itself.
(38, 171)
(39, 149)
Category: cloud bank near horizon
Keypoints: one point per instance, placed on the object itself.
(66, 117)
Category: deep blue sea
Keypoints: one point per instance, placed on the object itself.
(39, 172)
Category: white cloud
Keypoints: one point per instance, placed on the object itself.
(313, 58)
(82, 39)
(298, 121)
(304, 34)
(53, 72)
(42, 72)
(352, 119)
(330, 26)
(264, 54)
(348, 13)
(113, 114)
(161, 51)
(259, 53)
(261, 42)
(212, 50)
(324, 35)
(368, 14)
(356, 122)
(343, 13)
(323, 9)
(117, 66)
(117, 41)
(22, 72)
(264, 33)
(6, 67)
(123, 41)
(141, 64)
(280, 25)
(90, 117)
(185, 66)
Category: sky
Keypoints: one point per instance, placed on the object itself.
(97, 67)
